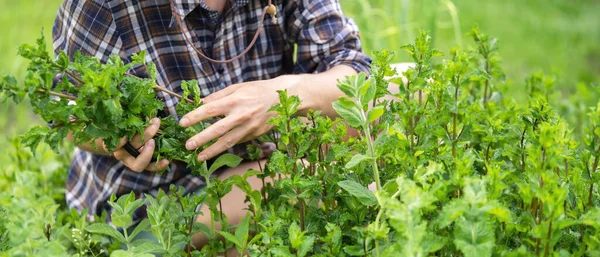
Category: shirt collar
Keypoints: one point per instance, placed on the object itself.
(185, 7)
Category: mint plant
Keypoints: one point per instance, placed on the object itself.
(94, 100)
(445, 167)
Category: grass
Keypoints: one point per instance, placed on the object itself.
(559, 37)
(21, 22)
(553, 36)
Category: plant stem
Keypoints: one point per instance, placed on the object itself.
(487, 80)
(549, 237)
(159, 88)
(523, 149)
(371, 154)
(365, 246)
(454, 120)
(594, 167)
(61, 95)
(223, 225)
(301, 210)
(74, 76)
(188, 245)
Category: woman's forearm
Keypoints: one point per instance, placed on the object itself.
(319, 91)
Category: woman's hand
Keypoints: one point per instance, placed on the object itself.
(146, 148)
(246, 110)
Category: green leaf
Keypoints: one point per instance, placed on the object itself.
(364, 195)
(374, 113)
(62, 60)
(352, 116)
(105, 229)
(145, 223)
(113, 106)
(306, 246)
(122, 220)
(147, 247)
(122, 253)
(201, 228)
(474, 238)
(347, 87)
(296, 235)
(231, 238)
(348, 103)
(227, 159)
(356, 160)
(241, 232)
(355, 250)
(367, 91)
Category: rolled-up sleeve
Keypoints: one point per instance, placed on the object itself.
(325, 38)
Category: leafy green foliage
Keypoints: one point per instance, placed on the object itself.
(94, 100)
(457, 169)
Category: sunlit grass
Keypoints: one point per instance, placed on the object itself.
(558, 37)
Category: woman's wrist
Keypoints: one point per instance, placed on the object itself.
(319, 91)
(301, 88)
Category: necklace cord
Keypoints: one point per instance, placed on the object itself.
(270, 8)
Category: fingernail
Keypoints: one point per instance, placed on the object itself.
(150, 143)
(202, 157)
(191, 145)
(184, 122)
(154, 121)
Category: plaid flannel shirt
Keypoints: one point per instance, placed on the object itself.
(99, 28)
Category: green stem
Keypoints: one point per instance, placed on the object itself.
(223, 225)
(372, 156)
(159, 88)
(126, 237)
(61, 95)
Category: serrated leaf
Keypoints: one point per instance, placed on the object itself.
(105, 229)
(364, 195)
(241, 232)
(113, 106)
(227, 159)
(231, 238)
(147, 247)
(356, 160)
(306, 246)
(296, 236)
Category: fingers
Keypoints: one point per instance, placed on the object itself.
(206, 111)
(140, 163)
(121, 143)
(225, 142)
(222, 93)
(138, 140)
(158, 166)
(215, 130)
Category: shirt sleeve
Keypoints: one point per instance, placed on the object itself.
(324, 37)
(86, 26)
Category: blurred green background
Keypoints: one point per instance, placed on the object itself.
(559, 37)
